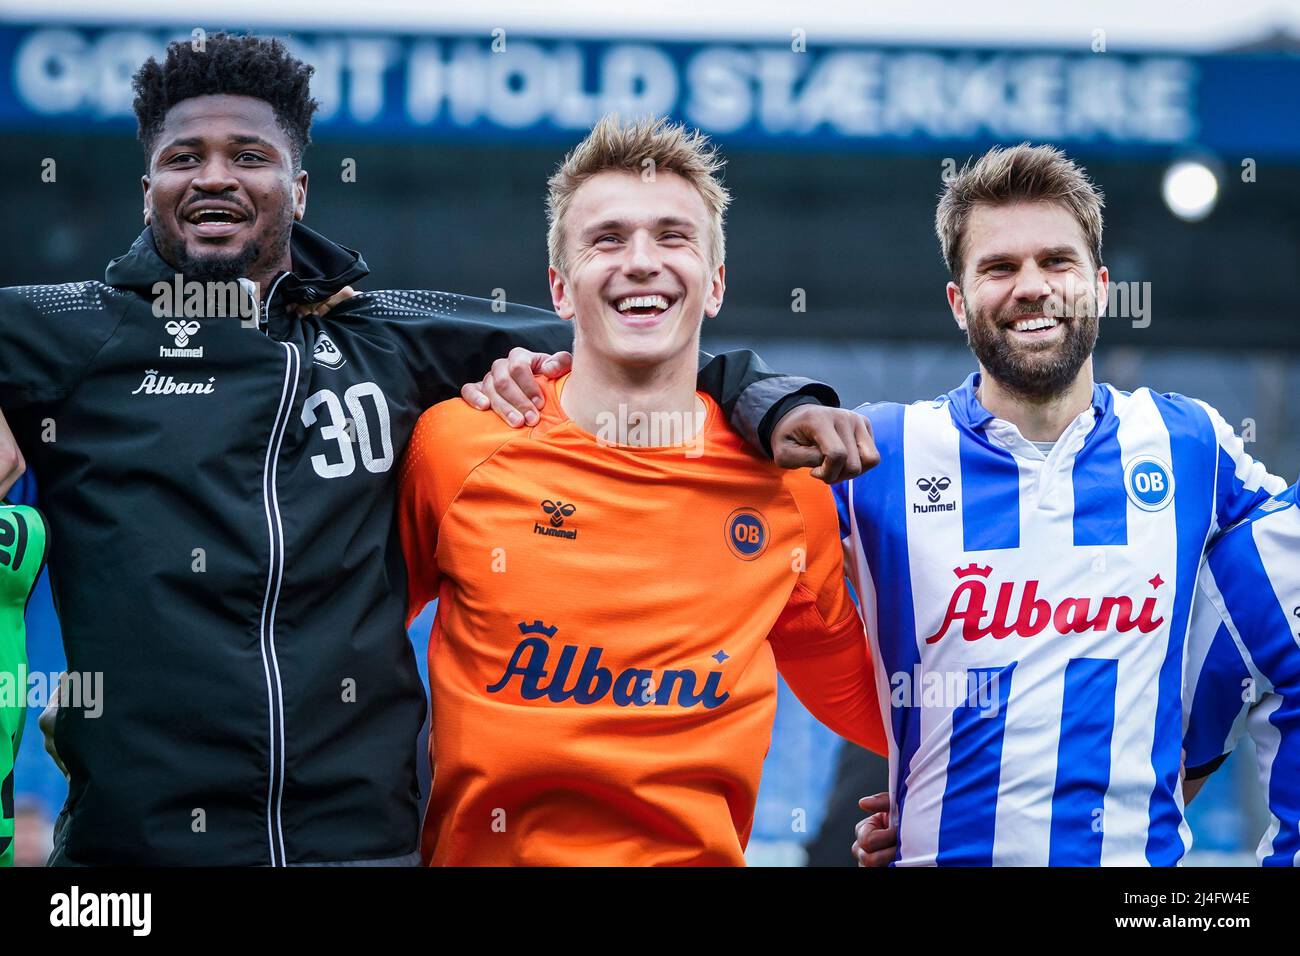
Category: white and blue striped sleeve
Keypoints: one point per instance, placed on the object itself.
(1220, 684)
(1241, 482)
(1252, 577)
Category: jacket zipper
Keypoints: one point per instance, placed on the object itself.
(270, 601)
(262, 307)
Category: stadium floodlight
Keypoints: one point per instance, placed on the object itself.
(1190, 189)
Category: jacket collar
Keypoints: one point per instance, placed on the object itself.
(320, 267)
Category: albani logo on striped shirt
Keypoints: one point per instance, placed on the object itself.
(1071, 615)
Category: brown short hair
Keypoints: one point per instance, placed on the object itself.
(1021, 173)
(615, 145)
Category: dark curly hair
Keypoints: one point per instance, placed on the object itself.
(230, 65)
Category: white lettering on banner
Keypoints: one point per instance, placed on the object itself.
(535, 84)
(851, 92)
(63, 71)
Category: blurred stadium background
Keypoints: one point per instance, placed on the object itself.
(838, 126)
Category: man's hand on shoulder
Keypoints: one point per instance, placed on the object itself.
(510, 386)
(321, 308)
(12, 465)
(835, 442)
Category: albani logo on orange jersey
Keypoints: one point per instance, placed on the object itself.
(1072, 615)
(631, 687)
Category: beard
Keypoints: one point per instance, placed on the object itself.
(1034, 374)
(222, 266)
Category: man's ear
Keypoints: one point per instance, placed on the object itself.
(564, 307)
(300, 194)
(144, 184)
(717, 288)
(957, 302)
(1103, 290)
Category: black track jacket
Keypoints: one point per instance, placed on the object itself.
(220, 492)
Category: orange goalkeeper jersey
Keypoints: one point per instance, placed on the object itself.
(602, 664)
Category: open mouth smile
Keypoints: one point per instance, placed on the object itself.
(643, 309)
(1035, 325)
(214, 220)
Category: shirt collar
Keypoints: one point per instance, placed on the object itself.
(972, 413)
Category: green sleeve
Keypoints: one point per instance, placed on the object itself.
(23, 540)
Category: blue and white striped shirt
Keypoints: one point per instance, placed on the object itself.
(1243, 663)
(1028, 616)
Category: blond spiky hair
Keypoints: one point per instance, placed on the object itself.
(615, 145)
(1021, 173)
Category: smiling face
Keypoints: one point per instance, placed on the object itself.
(222, 192)
(637, 278)
(1029, 295)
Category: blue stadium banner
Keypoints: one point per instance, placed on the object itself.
(839, 97)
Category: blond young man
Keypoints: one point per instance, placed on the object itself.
(619, 583)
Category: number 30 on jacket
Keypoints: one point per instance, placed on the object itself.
(352, 428)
